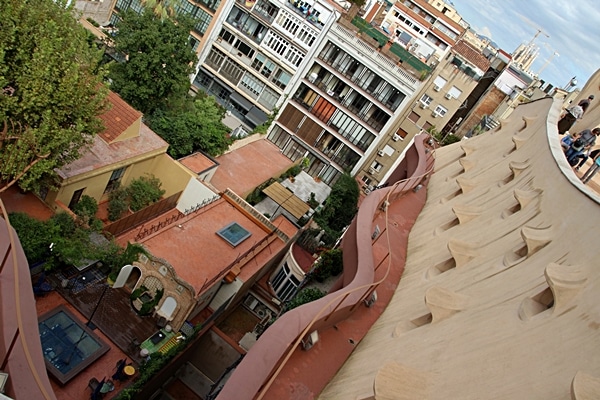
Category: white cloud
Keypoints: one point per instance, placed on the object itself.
(573, 27)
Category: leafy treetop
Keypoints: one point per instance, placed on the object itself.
(192, 126)
(51, 91)
(159, 60)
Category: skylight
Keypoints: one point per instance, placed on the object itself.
(234, 234)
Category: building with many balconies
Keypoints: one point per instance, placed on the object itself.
(250, 61)
(345, 100)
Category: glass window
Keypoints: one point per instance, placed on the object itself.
(440, 111)
(455, 92)
(114, 180)
(426, 100)
(281, 78)
(285, 283)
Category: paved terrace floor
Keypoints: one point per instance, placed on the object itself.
(307, 372)
(247, 167)
(77, 388)
(109, 309)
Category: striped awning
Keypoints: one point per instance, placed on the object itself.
(287, 199)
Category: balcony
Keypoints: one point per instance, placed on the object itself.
(405, 57)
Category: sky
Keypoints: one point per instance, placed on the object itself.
(570, 28)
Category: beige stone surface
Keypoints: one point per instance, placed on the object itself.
(500, 294)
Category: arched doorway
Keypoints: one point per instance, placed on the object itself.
(133, 278)
(167, 308)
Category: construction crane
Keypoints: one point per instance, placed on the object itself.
(549, 60)
(538, 32)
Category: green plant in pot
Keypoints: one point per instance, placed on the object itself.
(117, 203)
(144, 191)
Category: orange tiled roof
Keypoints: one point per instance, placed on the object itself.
(120, 117)
(469, 52)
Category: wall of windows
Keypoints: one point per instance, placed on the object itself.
(284, 283)
(342, 62)
(283, 48)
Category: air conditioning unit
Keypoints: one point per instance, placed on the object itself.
(434, 114)
(310, 340)
(369, 301)
(448, 96)
(436, 88)
(372, 171)
(423, 105)
(380, 153)
(396, 137)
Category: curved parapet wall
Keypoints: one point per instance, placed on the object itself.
(20, 345)
(276, 344)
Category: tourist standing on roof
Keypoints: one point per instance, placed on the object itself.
(589, 174)
(574, 113)
(584, 142)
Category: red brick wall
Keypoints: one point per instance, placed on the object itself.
(486, 106)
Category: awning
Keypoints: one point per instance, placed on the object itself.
(240, 100)
(287, 199)
(256, 116)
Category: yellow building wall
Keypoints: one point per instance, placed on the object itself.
(174, 178)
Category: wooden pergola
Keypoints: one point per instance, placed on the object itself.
(287, 199)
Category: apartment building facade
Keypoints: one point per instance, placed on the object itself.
(251, 58)
(427, 29)
(347, 97)
(202, 12)
(445, 92)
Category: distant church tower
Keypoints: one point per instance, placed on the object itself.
(525, 55)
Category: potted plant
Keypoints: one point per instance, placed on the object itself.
(144, 191)
(117, 203)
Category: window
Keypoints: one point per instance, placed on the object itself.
(284, 283)
(281, 78)
(234, 234)
(427, 126)
(227, 36)
(244, 49)
(414, 117)
(268, 98)
(440, 111)
(231, 71)
(115, 179)
(426, 100)
(75, 198)
(251, 85)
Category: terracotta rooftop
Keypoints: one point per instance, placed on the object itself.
(247, 167)
(102, 154)
(198, 162)
(195, 250)
(118, 118)
(471, 53)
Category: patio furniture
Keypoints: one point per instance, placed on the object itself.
(119, 374)
(93, 384)
(108, 386)
(129, 370)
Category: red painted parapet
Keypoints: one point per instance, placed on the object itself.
(267, 357)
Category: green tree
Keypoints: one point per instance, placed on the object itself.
(163, 9)
(340, 207)
(51, 91)
(159, 59)
(195, 125)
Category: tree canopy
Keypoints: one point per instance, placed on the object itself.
(159, 59)
(195, 126)
(51, 90)
(340, 207)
